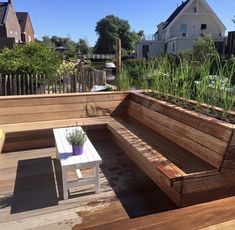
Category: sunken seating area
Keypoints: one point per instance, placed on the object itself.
(188, 155)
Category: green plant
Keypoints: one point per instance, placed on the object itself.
(32, 58)
(76, 137)
(125, 81)
(67, 68)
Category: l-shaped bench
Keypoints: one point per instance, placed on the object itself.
(190, 159)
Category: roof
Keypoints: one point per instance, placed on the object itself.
(3, 10)
(176, 12)
(22, 18)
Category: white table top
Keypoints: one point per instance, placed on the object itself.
(64, 148)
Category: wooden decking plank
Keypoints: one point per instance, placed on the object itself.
(77, 204)
(193, 217)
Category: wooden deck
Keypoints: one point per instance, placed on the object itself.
(31, 197)
(31, 193)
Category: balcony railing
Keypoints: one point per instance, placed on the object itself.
(197, 34)
(149, 37)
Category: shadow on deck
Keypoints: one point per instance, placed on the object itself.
(138, 195)
(38, 183)
(34, 188)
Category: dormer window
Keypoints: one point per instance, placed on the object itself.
(194, 9)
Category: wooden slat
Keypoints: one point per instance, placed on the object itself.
(182, 159)
(33, 109)
(193, 217)
(28, 100)
(9, 128)
(214, 127)
(202, 152)
(198, 136)
(58, 116)
(148, 159)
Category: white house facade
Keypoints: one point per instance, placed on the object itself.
(190, 21)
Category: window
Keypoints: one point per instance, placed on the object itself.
(183, 30)
(194, 9)
(203, 26)
(173, 47)
(145, 50)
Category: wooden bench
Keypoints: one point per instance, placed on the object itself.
(166, 163)
(190, 130)
(183, 154)
(24, 117)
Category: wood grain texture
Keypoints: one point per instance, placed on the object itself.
(39, 125)
(56, 107)
(214, 127)
(201, 151)
(27, 177)
(217, 213)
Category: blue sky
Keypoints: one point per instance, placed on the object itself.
(78, 18)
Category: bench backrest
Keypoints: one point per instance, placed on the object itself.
(23, 109)
(205, 137)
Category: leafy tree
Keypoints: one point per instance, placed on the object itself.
(47, 41)
(55, 41)
(31, 58)
(109, 29)
(82, 46)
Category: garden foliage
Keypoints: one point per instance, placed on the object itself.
(200, 75)
(31, 58)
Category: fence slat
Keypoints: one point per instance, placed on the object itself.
(5, 85)
(81, 81)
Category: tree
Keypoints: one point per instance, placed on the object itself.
(48, 42)
(82, 46)
(109, 29)
(55, 41)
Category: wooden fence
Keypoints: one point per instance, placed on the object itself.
(26, 84)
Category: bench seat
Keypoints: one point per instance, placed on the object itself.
(166, 163)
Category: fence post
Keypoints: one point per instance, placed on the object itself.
(118, 61)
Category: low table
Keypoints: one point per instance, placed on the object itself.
(88, 159)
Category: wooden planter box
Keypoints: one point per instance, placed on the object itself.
(209, 139)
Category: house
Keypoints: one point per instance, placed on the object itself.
(9, 24)
(191, 20)
(27, 32)
(14, 27)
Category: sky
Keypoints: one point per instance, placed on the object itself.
(78, 18)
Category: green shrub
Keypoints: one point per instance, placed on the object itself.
(31, 58)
